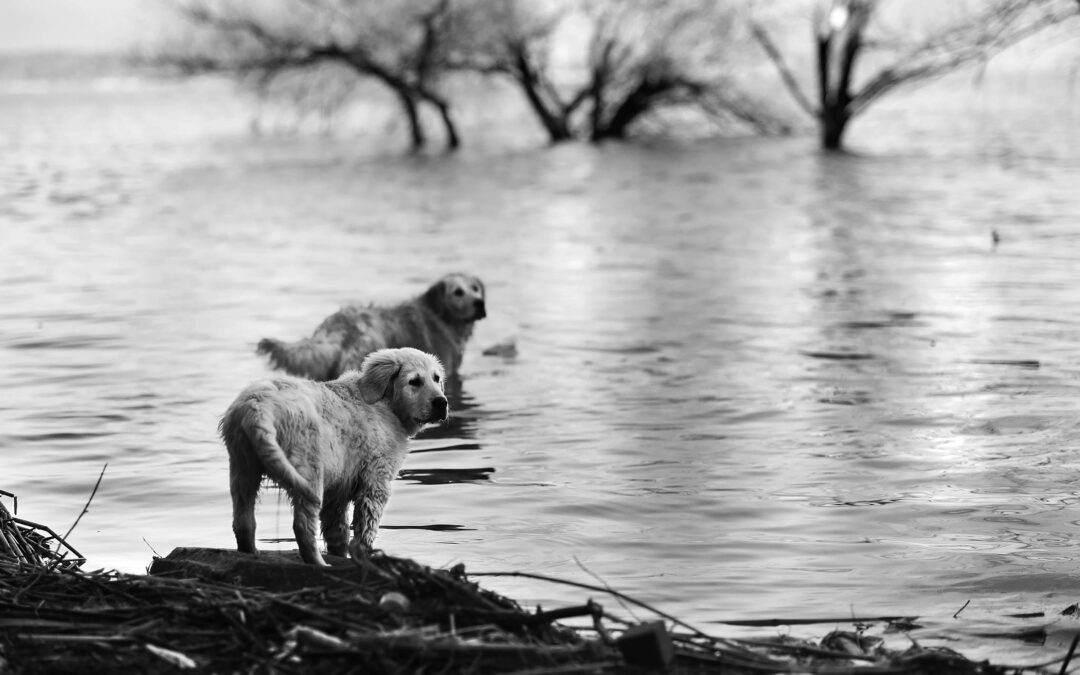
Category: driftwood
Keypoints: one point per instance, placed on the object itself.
(206, 610)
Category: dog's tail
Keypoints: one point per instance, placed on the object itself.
(307, 357)
(249, 433)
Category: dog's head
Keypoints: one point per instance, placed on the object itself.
(410, 381)
(457, 297)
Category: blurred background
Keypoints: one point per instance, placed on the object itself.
(792, 287)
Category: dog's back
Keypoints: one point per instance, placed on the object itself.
(250, 431)
(339, 344)
(307, 357)
(344, 338)
(440, 322)
(410, 324)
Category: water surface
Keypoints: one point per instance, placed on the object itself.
(751, 381)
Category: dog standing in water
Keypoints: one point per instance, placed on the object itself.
(439, 322)
(329, 444)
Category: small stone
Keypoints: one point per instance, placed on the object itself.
(507, 349)
(394, 602)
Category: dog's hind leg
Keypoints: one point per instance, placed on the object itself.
(335, 527)
(305, 526)
(244, 486)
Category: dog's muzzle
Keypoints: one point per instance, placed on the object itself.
(440, 409)
(479, 310)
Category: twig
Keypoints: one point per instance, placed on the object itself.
(508, 616)
(760, 623)
(14, 499)
(86, 508)
(962, 608)
(1069, 655)
(600, 589)
(607, 587)
(808, 649)
(152, 549)
(588, 667)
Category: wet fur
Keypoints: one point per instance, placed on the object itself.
(439, 322)
(329, 445)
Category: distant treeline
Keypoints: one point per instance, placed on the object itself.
(630, 61)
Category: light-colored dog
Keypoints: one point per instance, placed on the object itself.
(439, 322)
(329, 444)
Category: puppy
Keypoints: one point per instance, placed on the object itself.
(439, 322)
(330, 444)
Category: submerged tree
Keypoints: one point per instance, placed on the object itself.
(645, 57)
(395, 44)
(590, 69)
(513, 39)
(632, 59)
(841, 39)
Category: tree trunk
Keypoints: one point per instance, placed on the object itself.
(837, 51)
(416, 130)
(833, 123)
(596, 116)
(453, 141)
(636, 104)
(601, 68)
(554, 124)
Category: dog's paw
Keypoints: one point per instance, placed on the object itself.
(358, 550)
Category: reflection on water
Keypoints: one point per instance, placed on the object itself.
(750, 381)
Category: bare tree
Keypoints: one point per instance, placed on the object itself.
(841, 38)
(395, 44)
(513, 39)
(634, 60)
(637, 58)
(646, 56)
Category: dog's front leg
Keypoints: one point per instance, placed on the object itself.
(368, 509)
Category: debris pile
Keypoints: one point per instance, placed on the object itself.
(210, 610)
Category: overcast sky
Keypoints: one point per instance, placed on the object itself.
(94, 25)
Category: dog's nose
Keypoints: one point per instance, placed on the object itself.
(439, 408)
(479, 310)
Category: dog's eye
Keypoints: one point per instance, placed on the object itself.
(476, 289)
(459, 292)
(416, 381)
(435, 377)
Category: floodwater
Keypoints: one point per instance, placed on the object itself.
(752, 381)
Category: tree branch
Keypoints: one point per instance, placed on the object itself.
(201, 15)
(978, 39)
(744, 110)
(782, 68)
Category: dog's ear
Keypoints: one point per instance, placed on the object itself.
(434, 296)
(377, 376)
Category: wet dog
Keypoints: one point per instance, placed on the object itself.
(329, 444)
(439, 322)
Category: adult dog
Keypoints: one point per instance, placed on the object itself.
(439, 322)
(330, 443)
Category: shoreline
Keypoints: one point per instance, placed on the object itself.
(216, 610)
